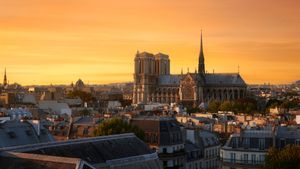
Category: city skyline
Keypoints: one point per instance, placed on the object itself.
(57, 42)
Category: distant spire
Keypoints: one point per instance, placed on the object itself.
(201, 44)
(201, 64)
(5, 78)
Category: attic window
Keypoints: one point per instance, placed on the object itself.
(12, 134)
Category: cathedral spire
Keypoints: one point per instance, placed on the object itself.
(201, 64)
(5, 78)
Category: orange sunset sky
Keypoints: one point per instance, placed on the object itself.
(59, 41)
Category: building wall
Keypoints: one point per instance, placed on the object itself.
(243, 159)
(211, 157)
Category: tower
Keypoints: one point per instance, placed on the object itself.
(5, 78)
(144, 77)
(201, 74)
(201, 64)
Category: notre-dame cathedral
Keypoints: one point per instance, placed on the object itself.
(154, 83)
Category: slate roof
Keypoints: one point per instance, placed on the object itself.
(288, 132)
(208, 138)
(115, 150)
(167, 127)
(237, 140)
(15, 133)
(85, 120)
(263, 133)
(224, 79)
(169, 79)
(211, 79)
(189, 147)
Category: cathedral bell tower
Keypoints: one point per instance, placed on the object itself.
(144, 77)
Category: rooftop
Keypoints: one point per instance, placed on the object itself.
(15, 133)
(114, 150)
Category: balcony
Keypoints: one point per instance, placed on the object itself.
(240, 163)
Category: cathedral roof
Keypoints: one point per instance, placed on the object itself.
(169, 79)
(215, 79)
(224, 79)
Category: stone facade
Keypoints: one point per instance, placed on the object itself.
(154, 83)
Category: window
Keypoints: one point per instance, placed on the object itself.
(164, 150)
(232, 157)
(297, 142)
(261, 144)
(246, 143)
(165, 163)
(261, 158)
(234, 142)
(282, 143)
(246, 158)
(253, 158)
(222, 154)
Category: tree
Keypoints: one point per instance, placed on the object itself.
(213, 106)
(226, 106)
(191, 110)
(272, 103)
(250, 108)
(287, 158)
(118, 126)
(287, 104)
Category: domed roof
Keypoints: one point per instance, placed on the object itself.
(79, 84)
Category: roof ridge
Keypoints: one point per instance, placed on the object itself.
(227, 73)
(61, 143)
